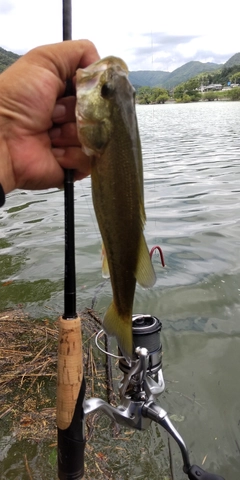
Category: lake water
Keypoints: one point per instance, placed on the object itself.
(191, 158)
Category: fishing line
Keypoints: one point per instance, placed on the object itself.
(90, 208)
(99, 334)
(152, 130)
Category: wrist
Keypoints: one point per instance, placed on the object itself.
(6, 173)
(2, 196)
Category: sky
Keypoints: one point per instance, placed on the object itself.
(149, 35)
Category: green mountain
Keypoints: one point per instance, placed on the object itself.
(6, 59)
(229, 71)
(171, 79)
(147, 78)
(234, 60)
(182, 74)
(187, 71)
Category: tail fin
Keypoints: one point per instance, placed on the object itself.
(121, 328)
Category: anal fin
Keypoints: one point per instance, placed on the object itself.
(145, 274)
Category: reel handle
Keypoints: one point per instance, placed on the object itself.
(197, 473)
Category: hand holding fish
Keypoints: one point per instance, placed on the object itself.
(38, 136)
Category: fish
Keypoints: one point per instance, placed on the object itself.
(108, 133)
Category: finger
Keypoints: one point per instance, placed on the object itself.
(64, 110)
(64, 135)
(79, 175)
(74, 159)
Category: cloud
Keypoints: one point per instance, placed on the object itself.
(161, 42)
(210, 56)
(166, 52)
(6, 7)
(161, 39)
(161, 51)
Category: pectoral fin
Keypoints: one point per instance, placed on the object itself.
(145, 274)
(105, 268)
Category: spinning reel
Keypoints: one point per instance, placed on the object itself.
(139, 388)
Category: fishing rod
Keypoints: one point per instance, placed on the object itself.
(70, 379)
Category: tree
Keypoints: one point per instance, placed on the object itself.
(234, 93)
(178, 92)
(235, 78)
(191, 85)
(159, 95)
(186, 98)
(187, 92)
(210, 79)
(162, 98)
(191, 89)
(143, 95)
(210, 96)
(147, 95)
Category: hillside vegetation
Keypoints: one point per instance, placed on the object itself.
(222, 76)
(147, 78)
(6, 59)
(234, 60)
(170, 79)
(148, 95)
(210, 72)
(187, 71)
(190, 91)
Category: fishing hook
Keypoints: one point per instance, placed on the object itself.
(156, 247)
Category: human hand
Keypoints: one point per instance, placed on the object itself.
(38, 135)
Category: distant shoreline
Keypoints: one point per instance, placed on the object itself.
(172, 101)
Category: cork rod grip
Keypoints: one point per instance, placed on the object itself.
(70, 370)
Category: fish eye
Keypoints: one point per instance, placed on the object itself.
(107, 90)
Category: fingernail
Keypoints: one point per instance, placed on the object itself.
(58, 152)
(54, 133)
(58, 111)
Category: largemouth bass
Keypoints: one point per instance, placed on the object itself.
(108, 132)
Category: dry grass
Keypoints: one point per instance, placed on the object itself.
(28, 365)
(28, 362)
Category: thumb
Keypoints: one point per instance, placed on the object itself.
(63, 58)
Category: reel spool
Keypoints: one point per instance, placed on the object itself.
(146, 333)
